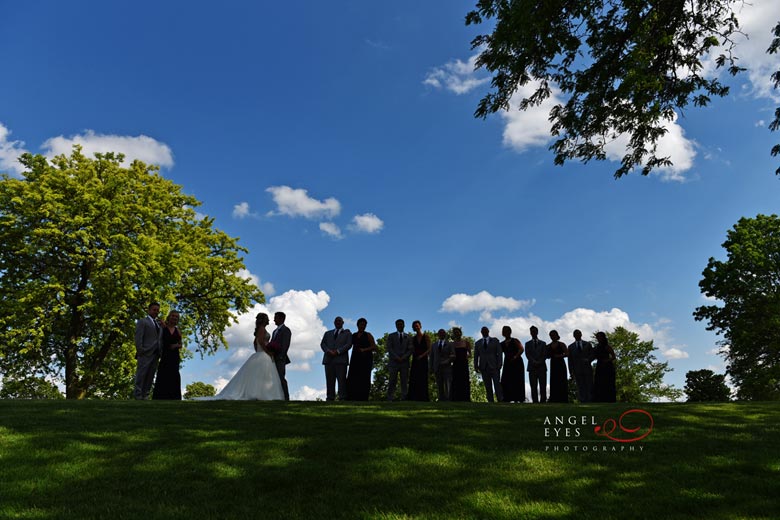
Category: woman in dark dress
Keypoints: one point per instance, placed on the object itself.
(418, 375)
(513, 375)
(168, 382)
(604, 390)
(461, 383)
(361, 363)
(559, 385)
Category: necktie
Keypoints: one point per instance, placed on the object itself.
(336, 334)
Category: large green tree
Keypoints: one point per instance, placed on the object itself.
(30, 387)
(706, 385)
(199, 389)
(87, 244)
(746, 310)
(639, 376)
(622, 67)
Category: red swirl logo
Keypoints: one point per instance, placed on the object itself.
(610, 425)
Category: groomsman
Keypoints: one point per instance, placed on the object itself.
(580, 356)
(442, 355)
(399, 348)
(335, 345)
(148, 343)
(487, 361)
(536, 353)
(281, 337)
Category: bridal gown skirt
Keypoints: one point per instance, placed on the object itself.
(257, 379)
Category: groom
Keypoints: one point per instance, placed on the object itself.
(281, 338)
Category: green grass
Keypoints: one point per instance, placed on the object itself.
(116, 460)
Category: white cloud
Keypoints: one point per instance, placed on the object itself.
(241, 210)
(142, 147)
(267, 287)
(482, 301)
(531, 127)
(331, 229)
(756, 19)
(302, 309)
(307, 393)
(10, 152)
(456, 76)
(297, 203)
(367, 223)
(675, 353)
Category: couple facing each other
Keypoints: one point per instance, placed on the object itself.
(262, 376)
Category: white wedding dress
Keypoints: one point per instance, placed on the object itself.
(257, 379)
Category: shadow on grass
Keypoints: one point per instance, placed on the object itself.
(399, 460)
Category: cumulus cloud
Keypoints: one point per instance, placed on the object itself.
(267, 287)
(482, 301)
(10, 152)
(331, 229)
(531, 127)
(242, 210)
(367, 223)
(297, 203)
(456, 76)
(142, 147)
(757, 18)
(307, 393)
(675, 353)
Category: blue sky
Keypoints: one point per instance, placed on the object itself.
(337, 141)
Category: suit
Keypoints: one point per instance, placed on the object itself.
(336, 365)
(398, 351)
(536, 353)
(580, 357)
(487, 361)
(282, 336)
(441, 366)
(148, 343)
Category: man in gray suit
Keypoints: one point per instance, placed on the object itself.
(536, 353)
(487, 361)
(580, 356)
(335, 345)
(399, 348)
(148, 339)
(281, 340)
(442, 354)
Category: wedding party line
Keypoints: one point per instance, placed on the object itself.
(411, 358)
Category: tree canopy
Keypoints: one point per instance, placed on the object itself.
(199, 389)
(706, 385)
(87, 245)
(625, 68)
(746, 310)
(639, 377)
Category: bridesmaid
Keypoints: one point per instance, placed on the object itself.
(559, 384)
(168, 383)
(418, 375)
(604, 390)
(359, 378)
(513, 376)
(461, 382)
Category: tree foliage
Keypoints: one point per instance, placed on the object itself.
(29, 388)
(746, 287)
(639, 377)
(199, 389)
(87, 244)
(705, 385)
(623, 67)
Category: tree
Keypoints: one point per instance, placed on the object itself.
(29, 388)
(623, 67)
(639, 377)
(746, 287)
(199, 389)
(705, 385)
(87, 245)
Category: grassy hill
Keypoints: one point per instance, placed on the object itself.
(117, 460)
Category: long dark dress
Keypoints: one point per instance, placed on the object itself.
(418, 375)
(604, 390)
(513, 375)
(461, 384)
(360, 365)
(168, 382)
(559, 387)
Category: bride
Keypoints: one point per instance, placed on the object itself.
(258, 378)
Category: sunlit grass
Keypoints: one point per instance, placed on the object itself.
(378, 460)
